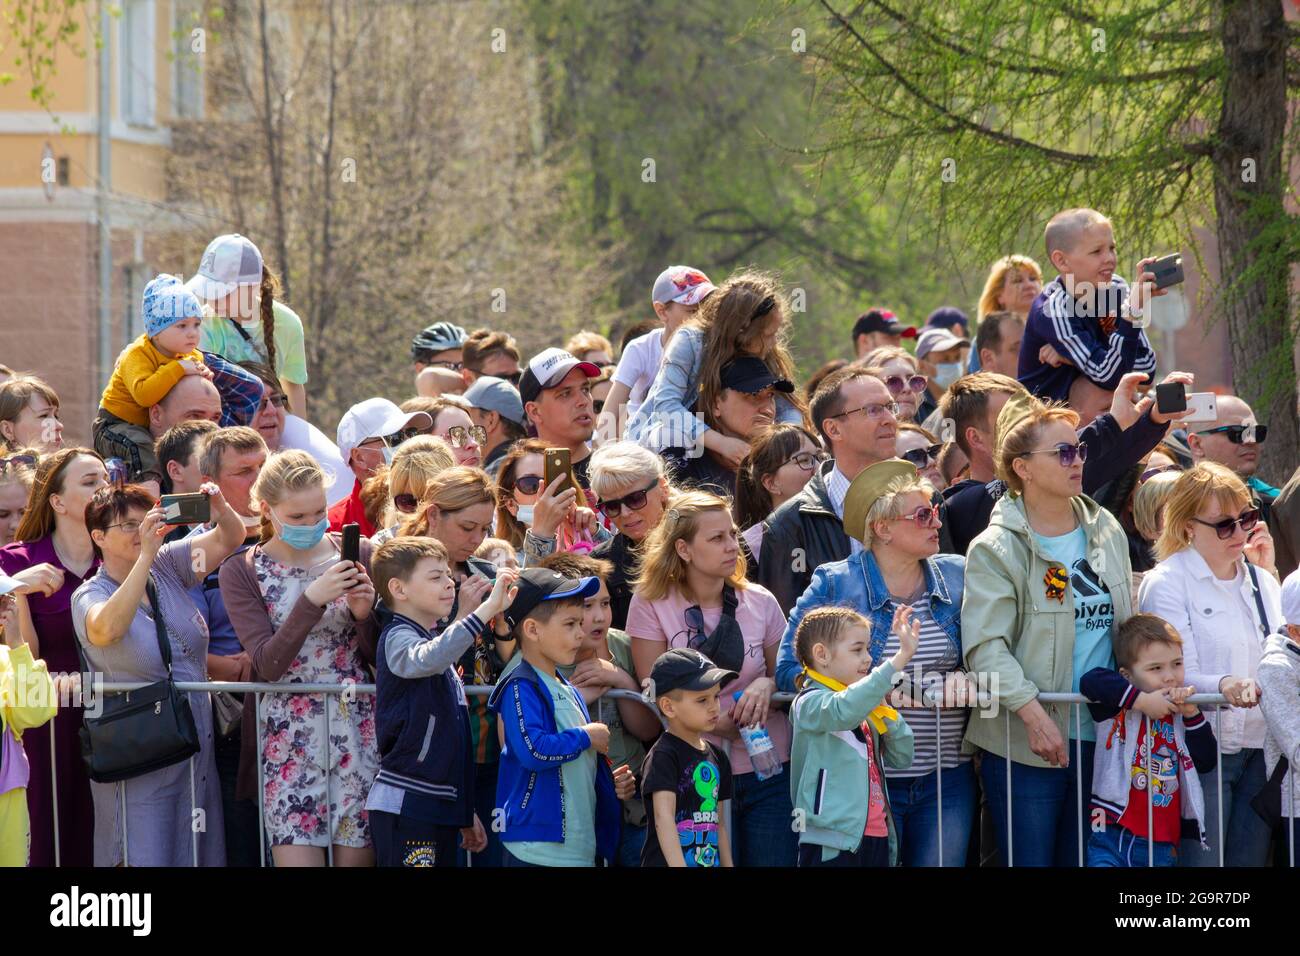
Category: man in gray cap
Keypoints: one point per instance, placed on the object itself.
(495, 404)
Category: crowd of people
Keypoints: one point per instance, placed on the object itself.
(659, 604)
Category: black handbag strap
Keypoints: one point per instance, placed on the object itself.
(164, 645)
(243, 334)
(1259, 600)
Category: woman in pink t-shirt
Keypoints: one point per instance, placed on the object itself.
(692, 592)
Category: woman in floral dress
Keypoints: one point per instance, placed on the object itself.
(305, 617)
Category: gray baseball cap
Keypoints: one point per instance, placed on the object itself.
(492, 394)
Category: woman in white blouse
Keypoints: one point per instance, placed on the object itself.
(1215, 583)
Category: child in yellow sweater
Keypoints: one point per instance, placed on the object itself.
(26, 700)
(146, 372)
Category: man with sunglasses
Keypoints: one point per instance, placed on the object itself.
(367, 434)
(487, 352)
(856, 416)
(1233, 440)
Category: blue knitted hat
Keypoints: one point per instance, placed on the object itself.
(166, 302)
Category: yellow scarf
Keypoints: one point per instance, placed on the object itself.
(877, 717)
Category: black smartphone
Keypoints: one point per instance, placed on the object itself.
(351, 542)
(480, 566)
(193, 508)
(1171, 397)
(1168, 270)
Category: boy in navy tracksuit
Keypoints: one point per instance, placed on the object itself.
(423, 794)
(1084, 321)
(555, 788)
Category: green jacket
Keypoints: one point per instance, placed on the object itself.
(828, 764)
(1016, 639)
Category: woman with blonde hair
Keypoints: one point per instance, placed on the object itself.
(1048, 583)
(591, 347)
(902, 375)
(1147, 516)
(1013, 283)
(1215, 584)
(416, 462)
(692, 592)
(304, 615)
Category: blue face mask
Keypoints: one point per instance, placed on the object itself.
(302, 537)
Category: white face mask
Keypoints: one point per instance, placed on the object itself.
(947, 372)
(524, 515)
(388, 455)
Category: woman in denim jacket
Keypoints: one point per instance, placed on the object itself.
(888, 509)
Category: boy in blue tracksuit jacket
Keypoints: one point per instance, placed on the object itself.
(423, 795)
(1085, 314)
(560, 799)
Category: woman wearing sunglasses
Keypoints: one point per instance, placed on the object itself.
(416, 463)
(779, 464)
(1047, 584)
(889, 510)
(538, 520)
(692, 592)
(53, 554)
(920, 448)
(1214, 583)
(452, 423)
(631, 492)
(900, 372)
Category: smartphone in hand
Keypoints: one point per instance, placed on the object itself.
(1171, 397)
(558, 462)
(195, 508)
(351, 549)
(1168, 270)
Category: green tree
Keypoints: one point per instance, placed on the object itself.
(994, 115)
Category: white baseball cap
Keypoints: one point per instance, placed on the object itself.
(375, 418)
(1291, 598)
(547, 369)
(228, 262)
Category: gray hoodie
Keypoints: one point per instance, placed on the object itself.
(1279, 682)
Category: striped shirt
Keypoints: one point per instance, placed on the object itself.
(935, 657)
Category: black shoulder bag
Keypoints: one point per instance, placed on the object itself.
(140, 731)
(726, 645)
(1268, 802)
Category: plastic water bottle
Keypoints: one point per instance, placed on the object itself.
(762, 753)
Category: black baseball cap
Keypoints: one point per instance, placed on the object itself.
(881, 320)
(749, 374)
(542, 584)
(684, 668)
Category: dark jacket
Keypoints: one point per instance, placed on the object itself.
(805, 533)
(621, 552)
(1112, 451)
(702, 472)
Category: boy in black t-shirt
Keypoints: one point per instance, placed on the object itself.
(686, 778)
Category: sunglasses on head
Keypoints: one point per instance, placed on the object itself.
(528, 484)
(1066, 453)
(807, 460)
(1225, 528)
(17, 461)
(920, 457)
(460, 436)
(634, 502)
(897, 385)
(927, 516)
(1152, 472)
(1240, 434)
(407, 504)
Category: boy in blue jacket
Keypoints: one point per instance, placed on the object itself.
(1085, 322)
(555, 789)
(423, 794)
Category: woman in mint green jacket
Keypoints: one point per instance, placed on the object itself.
(1047, 584)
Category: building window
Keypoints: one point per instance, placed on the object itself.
(187, 65)
(136, 52)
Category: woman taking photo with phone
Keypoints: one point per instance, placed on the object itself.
(1047, 585)
(137, 598)
(540, 519)
(1214, 583)
(304, 615)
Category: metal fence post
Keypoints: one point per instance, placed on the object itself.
(1218, 778)
(938, 768)
(126, 843)
(1078, 773)
(261, 782)
(194, 834)
(329, 793)
(54, 788)
(1011, 853)
(1150, 740)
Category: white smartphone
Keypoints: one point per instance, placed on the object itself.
(1203, 406)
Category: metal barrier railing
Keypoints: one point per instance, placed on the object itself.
(1076, 702)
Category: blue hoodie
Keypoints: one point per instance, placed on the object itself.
(529, 790)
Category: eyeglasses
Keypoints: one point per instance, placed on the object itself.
(1240, 434)
(920, 457)
(807, 460)
(513, 378)
(528, 484)
(923, 517)
(1152, 472)
(460, 436)
(1225, 528)
(130, 527)
(279, 400)
(1066, 453)
(454, 366)
(913, 383)
(406, 503)
(396, 438)
(17, 461)
(874, 410)
(634, 502)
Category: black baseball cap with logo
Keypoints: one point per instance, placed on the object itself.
(542, 584)
(751, 375)
(547, 369)
(684, 668)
